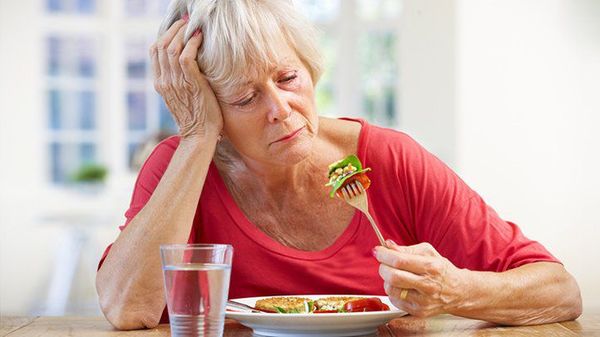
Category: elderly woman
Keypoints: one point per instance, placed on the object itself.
(249, 166)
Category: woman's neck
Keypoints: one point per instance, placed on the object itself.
(267, 177)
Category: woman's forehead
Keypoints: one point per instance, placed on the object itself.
(255, 73)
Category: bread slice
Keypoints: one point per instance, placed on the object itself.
(285, 305)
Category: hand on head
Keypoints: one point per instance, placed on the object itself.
(181, 83)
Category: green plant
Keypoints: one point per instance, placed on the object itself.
(90, 173)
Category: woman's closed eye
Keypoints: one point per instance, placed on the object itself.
(251, 97)
(246, 100)
(289, 78)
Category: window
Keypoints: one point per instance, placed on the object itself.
(365, 33)
(71, 94)
(359, 37)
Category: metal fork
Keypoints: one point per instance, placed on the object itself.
(356, 196)
(243, 307)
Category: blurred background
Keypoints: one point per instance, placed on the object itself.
(507, 92)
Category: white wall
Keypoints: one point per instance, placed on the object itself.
(508, 93)
(528, 120)
(428, 74)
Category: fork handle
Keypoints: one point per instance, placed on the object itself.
(376, 229)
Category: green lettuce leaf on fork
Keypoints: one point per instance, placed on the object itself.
(337, 183)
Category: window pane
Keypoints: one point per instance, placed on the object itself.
(71, 110)
(137, 52)
(166, 120)
(390, 103)
(86, 6)
(55, 56)
(86, 57)
(324, 92)
(379, 72)
(54, 5)
(87, 110)
(57, 172)
(136, 106)
(372, 10)
(87, 153)
(71, 57)
(67, 158)
(55, 106)
(136, 7)
(319, 10)
(132, 149)
(71, 6)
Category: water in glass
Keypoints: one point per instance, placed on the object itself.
(196, 296)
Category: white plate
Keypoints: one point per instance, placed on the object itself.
(304, 325)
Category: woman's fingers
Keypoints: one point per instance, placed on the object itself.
(174, 52)
(410, 262)
(399, 278)
(423, 248)
(406, 280)
(162, 47)
(188, 57)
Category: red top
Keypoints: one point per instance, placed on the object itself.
(414, 198)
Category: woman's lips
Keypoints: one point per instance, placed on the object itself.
(290, 136)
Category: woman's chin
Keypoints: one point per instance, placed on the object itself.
(291, 153)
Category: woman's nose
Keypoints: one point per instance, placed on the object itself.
(279, 108)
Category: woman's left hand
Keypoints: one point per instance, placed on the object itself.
(419, 280)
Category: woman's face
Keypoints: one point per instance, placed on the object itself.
(272, 119)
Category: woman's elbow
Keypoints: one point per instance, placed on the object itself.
(123, 318)
(566, 297)
(123, 313)
(575, 306)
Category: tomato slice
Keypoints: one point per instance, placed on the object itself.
(325, 311)
(362, 177)
(366, 304)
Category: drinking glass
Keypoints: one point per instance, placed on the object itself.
(196, 287)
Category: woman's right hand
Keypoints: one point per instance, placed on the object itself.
(185, 90)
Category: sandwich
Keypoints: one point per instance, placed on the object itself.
(332, 304)
(285, 305)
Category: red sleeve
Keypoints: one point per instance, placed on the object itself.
(147, 180)
(456, 220)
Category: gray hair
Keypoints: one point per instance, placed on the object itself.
(240, 35)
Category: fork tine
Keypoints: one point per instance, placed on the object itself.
(360, 186)
(351, 190)
(355, 189)
(345, 193)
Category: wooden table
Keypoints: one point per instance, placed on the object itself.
(445, 325)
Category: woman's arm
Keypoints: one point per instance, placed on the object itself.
(130, 282)
(535, 293)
